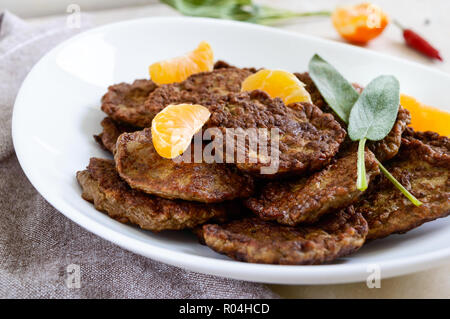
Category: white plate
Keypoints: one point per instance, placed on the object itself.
(57, 112)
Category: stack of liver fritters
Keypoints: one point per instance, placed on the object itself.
(309, 211)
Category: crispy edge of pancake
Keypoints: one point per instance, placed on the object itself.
(305, 200)
(388, 147)
(439, 144)
(111, 132)
(124, 102)
(423, 167)
(103, 187)
(143, 168)
(257, 241)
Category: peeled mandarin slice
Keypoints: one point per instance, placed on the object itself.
(174, 127)
(359, 23)
(180, 68)
(426, 118)
(278, 83)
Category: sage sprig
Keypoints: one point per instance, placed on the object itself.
(367, 114)
(373, 116)
(240, 10)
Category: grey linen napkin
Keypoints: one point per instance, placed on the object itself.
(37, 243)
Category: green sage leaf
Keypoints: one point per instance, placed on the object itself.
(335, 89)
(375, 112)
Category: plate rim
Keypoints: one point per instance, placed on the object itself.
(285, 274)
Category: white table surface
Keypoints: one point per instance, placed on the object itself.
(429, 18)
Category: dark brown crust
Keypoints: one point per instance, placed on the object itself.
(124, 102)
(388, 147)
(384, 149)
(423, 167)
(111, 132)
(222, 65)
(201, 88)
(143, 168)
(307, 199)
(102, 186)
(308, 140)
(257, 241)
(440, 144)
(198, 232)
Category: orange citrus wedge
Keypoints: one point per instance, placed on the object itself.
(359, 23)
(174, 127)
(278, 83)
(426, 118)
(180, 68)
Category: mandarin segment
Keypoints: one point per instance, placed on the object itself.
(426, 118)
(359, 23)
(174, 127)
(278, 83)
(180, 68)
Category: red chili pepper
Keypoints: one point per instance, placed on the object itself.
(418, 43)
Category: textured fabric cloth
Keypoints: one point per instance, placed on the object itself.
(38, 244)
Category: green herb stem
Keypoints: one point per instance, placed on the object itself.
(361, 181)
(400, 187)
(240, 10)
(269, 15)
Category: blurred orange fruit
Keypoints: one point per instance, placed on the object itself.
(278, 83)
(426, 118)
(180, 68)
(174, 127)
(359, 23)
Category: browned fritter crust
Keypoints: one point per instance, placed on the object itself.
(222, 65)
(199, 88)
(111, 132)
(308, 140)
(143, 168)
(423, 167)
(440, 144)
(124, 102)
(384, 149)
(388, 147)
(102, 186)
(307, 199)
(257, 241)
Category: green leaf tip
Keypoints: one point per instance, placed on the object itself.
(339, 94)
